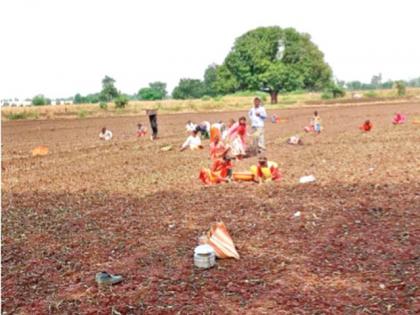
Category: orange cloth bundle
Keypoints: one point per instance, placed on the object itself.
(219, 239)
(243, 176)
(40, 150)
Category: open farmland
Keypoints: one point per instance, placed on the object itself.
(126, 207)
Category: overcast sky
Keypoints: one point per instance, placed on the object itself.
(63, 47)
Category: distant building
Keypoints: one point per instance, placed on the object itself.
(15, 102)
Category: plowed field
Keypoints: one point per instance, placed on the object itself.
(127, 207)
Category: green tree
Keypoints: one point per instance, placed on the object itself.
(225, 81)
(155, 91)
(272, 59)
(414, 82)
(109, 91)
(78, 99)
(376, 81)
(210, 78)
(189, 88)
(121, 101)
(159, 86)
(40, 100)
(400, 86)
(281, 77)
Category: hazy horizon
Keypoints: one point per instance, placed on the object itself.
(59, 48)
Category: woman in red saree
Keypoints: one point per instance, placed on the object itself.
(367, 126)
(398, 119)
(237, 137)
(218, 149)
(220, 171)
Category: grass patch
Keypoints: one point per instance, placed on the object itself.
(22, 115)
(370, 94)
(82, 113)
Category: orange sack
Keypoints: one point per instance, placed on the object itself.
(219, 239)
(40, 150)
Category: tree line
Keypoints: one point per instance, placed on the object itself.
(267, 59)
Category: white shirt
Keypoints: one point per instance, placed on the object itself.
(190, 127)
(225, 134)
(106, 136)
(192, 142)
(257, 121)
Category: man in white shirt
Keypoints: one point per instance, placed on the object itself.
(257, 115)
(193, 142)
(190, 126)
(105, 134)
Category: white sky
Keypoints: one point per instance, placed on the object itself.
(62, 47)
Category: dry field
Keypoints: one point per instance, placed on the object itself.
(226, 103)
(126, 207)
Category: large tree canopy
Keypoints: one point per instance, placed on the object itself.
(189, 88)
(109, 91)
(155, 91)
(273, 60)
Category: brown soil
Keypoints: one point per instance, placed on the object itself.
(126, 207)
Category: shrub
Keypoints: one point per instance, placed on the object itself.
(370, 94)
(103, 105)
(333, 91)
(400, 86)
(82, 113)
(39, 100)
(121, 101)
(326, 95)
(22, 115)
(337, 91)
(206, 98)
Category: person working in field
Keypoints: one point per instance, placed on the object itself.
(237, 138)
(204, 129)
(216, 131)
(367, 126)
(316, 122)
(226, 128)
(193, 142)
(141, 130)
(152, 113)
(190, 126)
(264, 171)
(295, 140)
(257, 115)
(219, 172)
(398, 119)
(275, 119)
(105, 134)
(218, 149)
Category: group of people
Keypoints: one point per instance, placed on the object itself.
(228, 142)
(398, 119)
(233, 133)
(106, 134)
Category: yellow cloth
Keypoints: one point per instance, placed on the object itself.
(266, 172)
